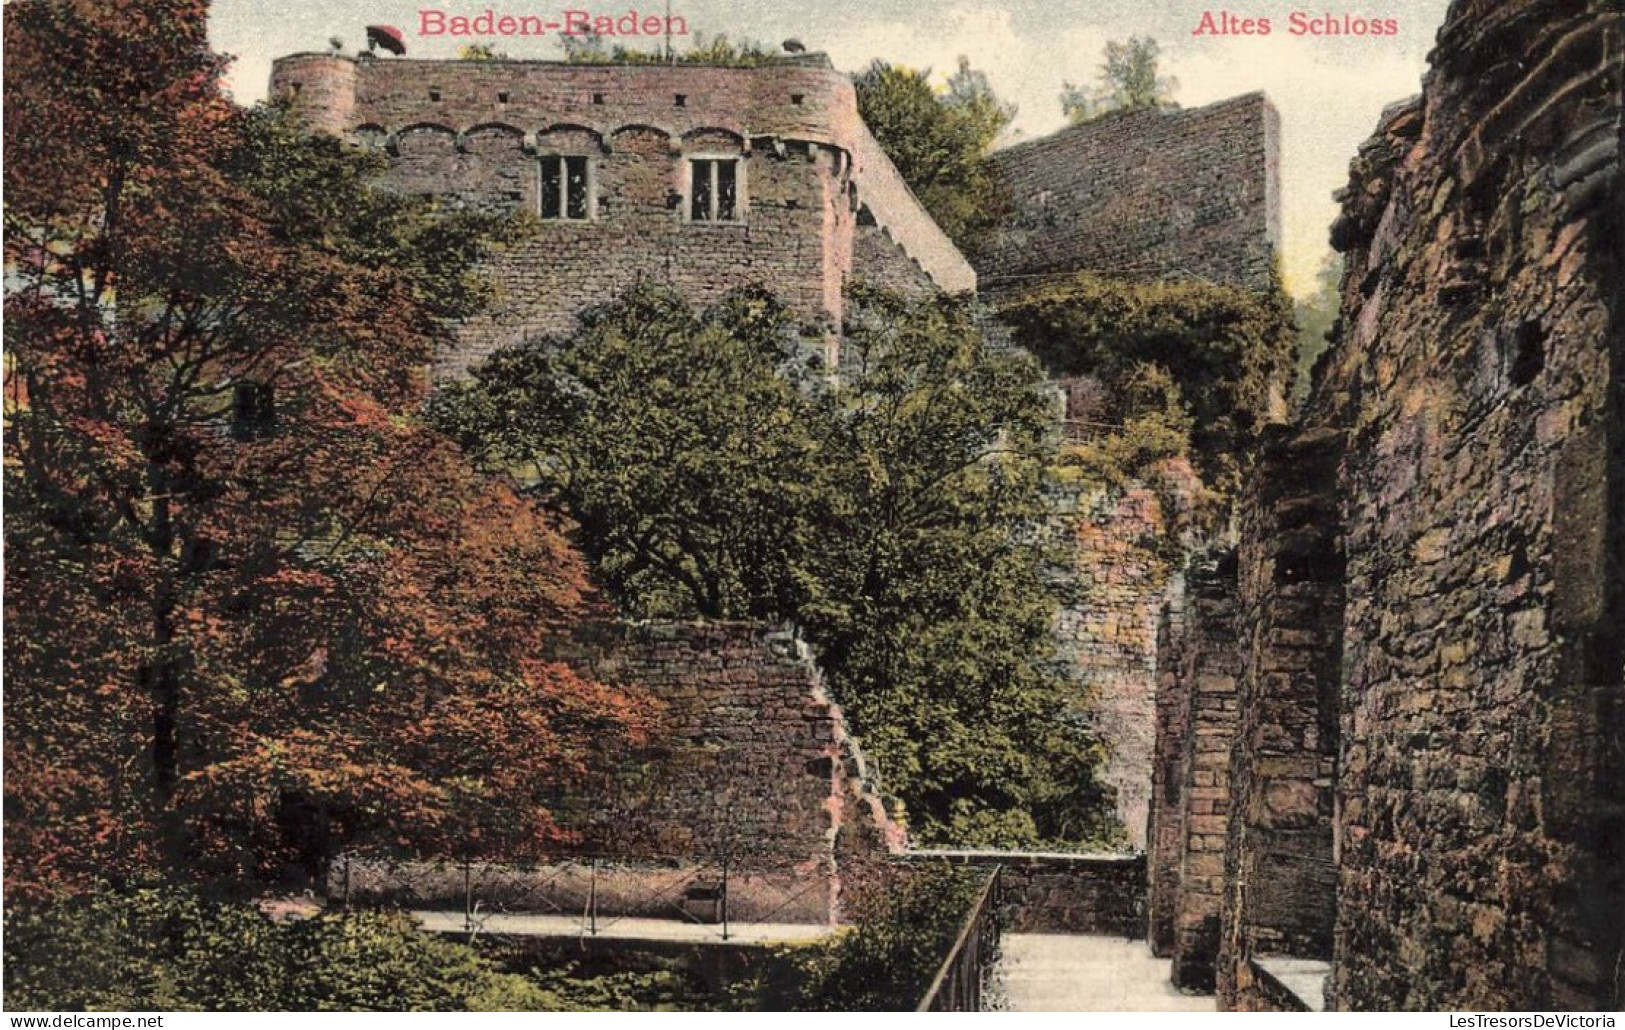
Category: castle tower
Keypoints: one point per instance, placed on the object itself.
(701, 178)
(322, 88)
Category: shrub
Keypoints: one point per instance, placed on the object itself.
(884, 963)
(168, 949)
(1229, 354)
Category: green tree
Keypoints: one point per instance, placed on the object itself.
(935, 617)
(1128, 80)
(940, 142)
(690, 464)
(1317, 317)
(892, 515)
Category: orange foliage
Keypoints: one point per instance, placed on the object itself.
(239, 640)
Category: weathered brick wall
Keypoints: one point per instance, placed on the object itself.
(751, 754)
(880, 188)
(884, 263)
(1143, 194)
(1203, 733)
(798, 222)
(750, 767)
(1059, 892)
(1482, 371)
(1280, 875)
(472, 133)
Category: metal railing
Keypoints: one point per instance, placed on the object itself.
(960, 981)
(592, 895)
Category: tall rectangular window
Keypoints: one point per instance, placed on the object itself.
(566, 188)
(713, 190)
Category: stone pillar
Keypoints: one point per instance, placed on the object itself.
(1209, 666)
(1107, 630)
(1165, 833)
(1280, 874)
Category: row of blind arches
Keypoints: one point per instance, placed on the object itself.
(378, 137)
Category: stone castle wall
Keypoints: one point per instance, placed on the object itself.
(1482, 788)
(1152, 194)
(1200, 720)
(472, 135)
(1165, 844)
(751, 753)
(1280, 874)
(1426, 778)
(882, 262)
(1059, 892)
(749, 767)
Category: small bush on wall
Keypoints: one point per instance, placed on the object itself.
(1227, 353)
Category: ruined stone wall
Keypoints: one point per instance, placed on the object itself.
(1107, 629)
(1481, 375)
(1060, 892)
(1280, 885)
(798, 223)
(1199, 724)
(750, 784)
(1153, 193)
(884, 263)
(473, 134)
(751, 753)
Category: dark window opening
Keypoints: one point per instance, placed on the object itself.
(598, 98)
(797, 98)
(714, 195)
(1528, 354)
(502, 98)
(253, 409)
(681, 100)
(434, 95)
(198, 554)
(566, 189)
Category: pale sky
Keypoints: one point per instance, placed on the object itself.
(1329, 91)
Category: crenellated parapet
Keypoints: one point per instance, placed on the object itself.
(776, 102)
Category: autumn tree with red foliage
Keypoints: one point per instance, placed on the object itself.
(256, 612)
